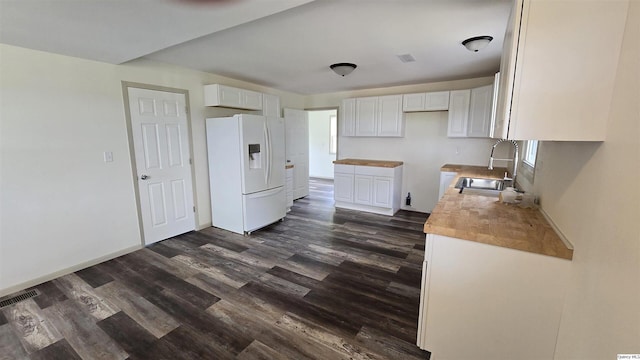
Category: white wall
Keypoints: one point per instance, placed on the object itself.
(590, 190)
(62, 206)
(320, 160)
(425, 146)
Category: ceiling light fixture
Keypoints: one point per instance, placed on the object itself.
(476, 43)
(343, 69)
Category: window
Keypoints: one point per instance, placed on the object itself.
(333, 141)
(530, 152)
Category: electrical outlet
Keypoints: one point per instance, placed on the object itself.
(108, 156)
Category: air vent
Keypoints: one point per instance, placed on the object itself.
(18, 298)
(405, 58)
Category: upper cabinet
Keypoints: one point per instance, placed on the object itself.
(227, 96)
(271, 105)
(458, 113)
(348, 117)
(480, 112)
(430, 101)
(372, 116)
(470, 112)
(556, 83)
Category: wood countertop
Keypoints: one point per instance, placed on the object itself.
(365, 162)
(486, 220)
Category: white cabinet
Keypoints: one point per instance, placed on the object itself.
(348, 117)
(470, 112)
(271, 105)
(363, 191)
(390, 119)
(343, 185)
(480, 112)
(382, 191)
(368, 188)
(227, 96)
(467, 285)
(557, 83)
(288, 186)
(430, 101)
(458, 113)
(373, 116)
(366, 116)
(446, 177)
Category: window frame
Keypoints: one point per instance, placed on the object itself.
(333, 136)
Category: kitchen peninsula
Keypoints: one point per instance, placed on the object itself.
(494, 278)
(368, 185)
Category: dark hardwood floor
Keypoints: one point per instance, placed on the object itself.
(323, 284)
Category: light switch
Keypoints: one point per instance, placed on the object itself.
(108, 156)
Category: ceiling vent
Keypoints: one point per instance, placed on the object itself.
(406, 58)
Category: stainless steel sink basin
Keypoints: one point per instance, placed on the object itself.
(480, 183)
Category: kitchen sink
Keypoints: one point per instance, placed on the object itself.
(480, 183)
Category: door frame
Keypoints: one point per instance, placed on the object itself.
(337, 109)
(134, 174)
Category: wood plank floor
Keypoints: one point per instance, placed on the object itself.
(323, 284)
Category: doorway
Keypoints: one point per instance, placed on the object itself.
(161, 156)
(323, 142)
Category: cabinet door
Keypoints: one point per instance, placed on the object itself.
(480, 112)
(348, 117)
(382, 190)
(413, 102)
(343, 187)
(507, 69)
(366, 116)
(390, 117)
(271, 105)
(446, 178)
(436, 101)
(566, 97)
(230, 96)
(458, 113)
(363, 189)
(288, 184)
(494, 105)
(251, 100)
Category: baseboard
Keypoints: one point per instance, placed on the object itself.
(57, 274)
(366, 208)
(555, 227)
(204, 226)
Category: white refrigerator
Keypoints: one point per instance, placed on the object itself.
(246, 171)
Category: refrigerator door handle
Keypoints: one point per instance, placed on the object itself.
(268, 154)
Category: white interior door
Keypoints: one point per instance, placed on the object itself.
(161, 145)
(297, 149)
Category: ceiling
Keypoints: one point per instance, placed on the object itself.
(284, 44)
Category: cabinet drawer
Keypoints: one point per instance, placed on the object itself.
(344, 169)
(374, 171)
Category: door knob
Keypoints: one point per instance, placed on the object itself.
(144, 177)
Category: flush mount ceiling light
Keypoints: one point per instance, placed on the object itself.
(476, 43)
(343, 69)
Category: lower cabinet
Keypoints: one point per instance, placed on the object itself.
(475, 294)
(368, 188)
(446, 177)
(288, 186)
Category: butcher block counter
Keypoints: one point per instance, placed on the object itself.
(365, 162)
(486, 220)
(494, 274)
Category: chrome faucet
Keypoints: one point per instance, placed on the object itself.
(514, 160)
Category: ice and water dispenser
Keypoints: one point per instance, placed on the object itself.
(255, 156)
